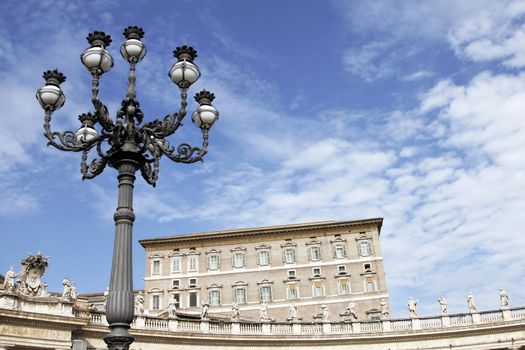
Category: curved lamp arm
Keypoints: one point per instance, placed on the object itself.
(185, 152)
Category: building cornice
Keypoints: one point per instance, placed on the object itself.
(267, 230)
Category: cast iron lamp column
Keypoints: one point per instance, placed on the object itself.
(128, 146)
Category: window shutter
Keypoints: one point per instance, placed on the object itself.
(259, 257)
(218, 261)
(261, 293)
(284, 255)
(333, 251)
(209, 261)
(310, 254)
(243, 259)
(233, 260)
(344, 250)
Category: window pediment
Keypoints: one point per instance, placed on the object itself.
(338, 240)
(363, 236)
(263, 246)
(155, 290)
(289, 245)
(313, 241)
(156, 256)
(238, 249)
(240, 284)
(214, 286)
(265, 281)
(213, 251)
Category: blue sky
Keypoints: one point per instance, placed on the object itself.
(330, 110)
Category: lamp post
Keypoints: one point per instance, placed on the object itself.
(128, 145)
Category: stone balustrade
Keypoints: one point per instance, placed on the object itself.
(444, 322)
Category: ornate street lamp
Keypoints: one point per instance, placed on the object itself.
(129, 146)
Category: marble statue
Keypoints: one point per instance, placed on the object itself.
(172, 308)
(105, 303)
(443, 305)
(293, 313)
(384, 309)
(70, 291)
(263, 313)
(471, 303)
(350, 313)
(235, 312)
(204, 309)
(139, 304)
(9, 282)
(326, 313)
(504, 297)
(412, 307)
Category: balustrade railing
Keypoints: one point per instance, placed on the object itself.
(314, 329)
(400, 325)
(431, 322)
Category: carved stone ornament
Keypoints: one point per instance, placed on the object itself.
(30, 283)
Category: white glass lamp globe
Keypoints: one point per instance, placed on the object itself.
(133, 50)
(85, 134)
(97, 58)
(205, 116)
(184, 73)
(50, 96)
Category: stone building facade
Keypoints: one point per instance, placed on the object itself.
(330, 263)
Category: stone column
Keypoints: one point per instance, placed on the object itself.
(476, 318)
(296, 328)
(416, 324)
(386, 325)
(327, 328)
(236, 328)
(506, 314)
(445, 320)
(172, 324)
(266, 328)
(205, 326)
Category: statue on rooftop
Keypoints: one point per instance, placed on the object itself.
(139, 304)
(471, 303)
(105, 302)
(385, 314)
(204, 309)
(9, 282)
(326, 313)
(412, 307)
(235, 312)
(293, 313)
(504, 297)
(263, 313)
(443, 305)
(70, 291)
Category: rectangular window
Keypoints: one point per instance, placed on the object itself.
(155, 268)
(341, 268)
(344, 286)
(192, 282)
(291, 291)
(364, 248)
(264, 258)
(289, 255)
(239, 259)
(176, 284)
(192, 263)
(155, 302)
(314, 253)
(240, 295)
(370, 285)
(266, 294)
(193, 299)
(175, 265)
(318, 290)
(215, 297)
(213, 262)
(316, 271)
(291, 273)
(340, 251)
(176, 300)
